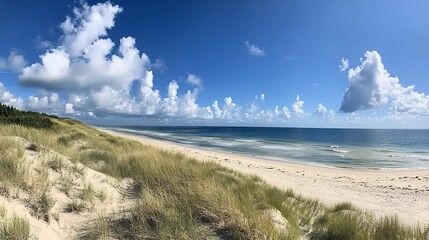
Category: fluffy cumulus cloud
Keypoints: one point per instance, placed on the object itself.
(98, 74)
(45, 102)
(14, 62)
(344, 64)
(254, 50)
(297, 106)
(86, 58)
(371, 86)
(230, 110)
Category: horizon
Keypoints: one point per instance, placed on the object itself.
(294, 64)
(248, 126)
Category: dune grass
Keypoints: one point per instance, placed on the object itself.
(74, 206)
(182, 198)
(16, 228)
(13, 172)
(41, 206)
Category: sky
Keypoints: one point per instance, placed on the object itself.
(354, 64)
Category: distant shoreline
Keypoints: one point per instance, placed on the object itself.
(400, 192)
(322, 151)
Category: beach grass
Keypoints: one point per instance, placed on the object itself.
(74, 206)
(13, 170)
(182, 198)
(15, 228)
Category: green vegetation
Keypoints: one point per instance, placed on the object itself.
(15, 229)
(12, 168)
(182, 198)
(42, 205)
(100, 229)
(10, 115)
(88, 193)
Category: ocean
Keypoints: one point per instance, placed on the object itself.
(382, 149)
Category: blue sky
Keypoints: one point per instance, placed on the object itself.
(210, 62)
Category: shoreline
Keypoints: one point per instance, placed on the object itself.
(384, 192)
(269, 158)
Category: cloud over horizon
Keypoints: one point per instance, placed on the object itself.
(371, 86)
(96, 76)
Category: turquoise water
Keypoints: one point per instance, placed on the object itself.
(346, 148)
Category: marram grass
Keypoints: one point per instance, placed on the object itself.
(182, 198)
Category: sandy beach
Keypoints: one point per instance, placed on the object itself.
(402, 193)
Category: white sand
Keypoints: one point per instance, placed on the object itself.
(404, 193)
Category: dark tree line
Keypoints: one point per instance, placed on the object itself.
(10, 115)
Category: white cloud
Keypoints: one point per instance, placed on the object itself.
(285, 112)
(14, 62)
(254, 50)
(86, 58)
(69, 109)
(297, 106)
(45, 102)
(371, 86)
(344, 64)
(320, 109)
(8, 98)
(230, 110)
(217, 111)
(112, 101)
(195, 81)
(262, 97)
(88, 25)
(408, 101)
(5, 95)
(149, 98)
(97, 76)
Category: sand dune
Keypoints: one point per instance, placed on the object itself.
(62, 223)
